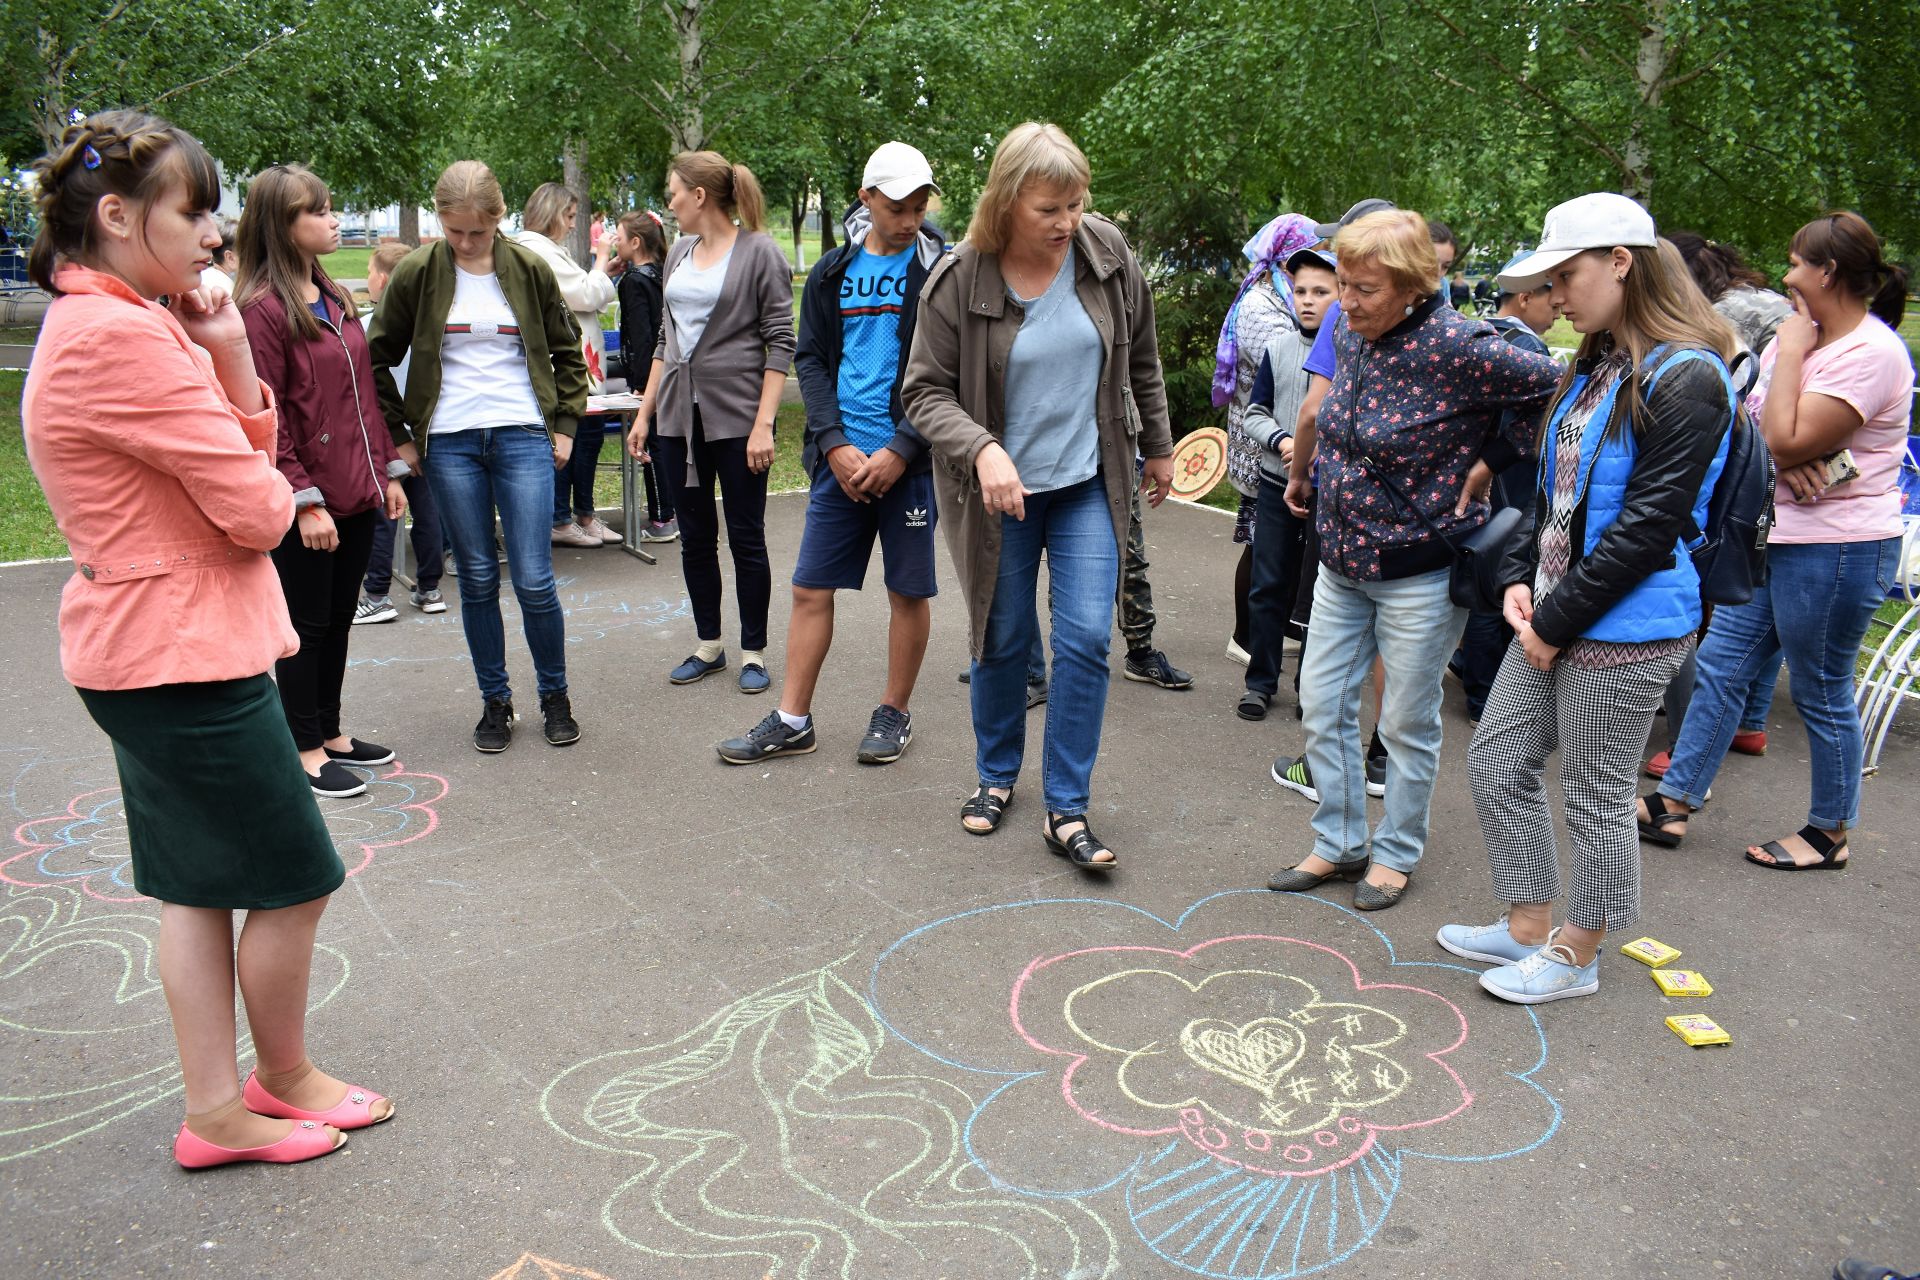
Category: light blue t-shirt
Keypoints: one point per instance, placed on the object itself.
(872, 294)
(1053, 380)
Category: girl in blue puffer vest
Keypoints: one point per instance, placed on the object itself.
(1602, 596)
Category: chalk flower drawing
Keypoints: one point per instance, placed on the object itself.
(86, 845)
(83, 1020)
(1255, 1091)
(788, 1131)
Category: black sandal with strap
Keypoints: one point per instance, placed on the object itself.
(1654, 826)
(1082, 846)
(984, 804)
(1817, 840)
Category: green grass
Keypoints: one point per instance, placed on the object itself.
(347, 264)
(26, 526)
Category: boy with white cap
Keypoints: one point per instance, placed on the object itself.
(871, 470)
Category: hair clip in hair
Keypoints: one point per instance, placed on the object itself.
(658, 221)
(89, 157)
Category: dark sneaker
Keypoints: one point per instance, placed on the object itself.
(769, 738)
(429, 601)
(888, 734)
(694, 669)
(754, 678)
(1036, 693)
(660, 531)
(363, 754)
(333, 781)
(1295, 776)
(374, 609)
(1377, 775)
(1152, 667)
(561, 728)
(495, 729)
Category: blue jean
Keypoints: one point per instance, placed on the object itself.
(1680, 697)
(1815, 608)
(509, 469)
(1074, 526)
(573, 483)
(1411, 625)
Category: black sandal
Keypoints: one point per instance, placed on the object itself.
(1654, 826)
(984, 804)
(1817, 840)
(1081, 847)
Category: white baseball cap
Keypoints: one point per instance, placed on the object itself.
(897, 170)
(1600, 220)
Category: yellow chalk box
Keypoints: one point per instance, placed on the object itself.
(1649, 952)
(1698, 1031)
(1681, 982)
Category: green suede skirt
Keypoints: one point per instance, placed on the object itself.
(219, 812)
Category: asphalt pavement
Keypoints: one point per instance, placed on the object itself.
(644, 1014)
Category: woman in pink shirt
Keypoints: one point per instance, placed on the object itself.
(154, 440)
(1835, 378)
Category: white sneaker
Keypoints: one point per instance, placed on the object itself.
(1236, 653)
(595, 527)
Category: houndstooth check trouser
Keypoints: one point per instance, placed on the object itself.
(1598, 721)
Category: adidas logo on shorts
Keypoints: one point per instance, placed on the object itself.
(916, 517)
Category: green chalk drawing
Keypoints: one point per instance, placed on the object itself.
(789, 1131)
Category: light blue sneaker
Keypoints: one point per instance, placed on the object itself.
(1548, 974)
(1489, 943)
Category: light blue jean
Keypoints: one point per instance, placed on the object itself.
(509, 469)
(1074, 526)
(1412, 626)
(1815, 608)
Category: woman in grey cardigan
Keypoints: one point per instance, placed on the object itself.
(725, 347)
(1034, 376)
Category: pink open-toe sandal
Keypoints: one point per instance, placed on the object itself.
(355, 1111)
(309, 1140)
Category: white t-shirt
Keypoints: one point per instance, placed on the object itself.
(691, 296)
(483, 366)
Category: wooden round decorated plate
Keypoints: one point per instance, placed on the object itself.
(1199, 462)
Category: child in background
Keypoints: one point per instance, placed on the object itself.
(429, 545)
(640, 242)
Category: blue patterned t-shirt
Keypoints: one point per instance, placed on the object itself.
(872, 293)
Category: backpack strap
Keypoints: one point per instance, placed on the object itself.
(1695, 536)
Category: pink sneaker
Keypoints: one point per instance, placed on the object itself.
(595, 527)
(309, 1140)
(355, 1111)
(572, 535)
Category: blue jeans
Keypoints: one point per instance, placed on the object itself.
(573, 483)
(1680, 697)
(429, 547)
(1815, 608)
(1412, 626)
(510, 469)
(1075, 528)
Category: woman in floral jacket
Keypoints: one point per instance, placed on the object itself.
(1417, 404)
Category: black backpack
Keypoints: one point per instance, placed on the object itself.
(1730, 554)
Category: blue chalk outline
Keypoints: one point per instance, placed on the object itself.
(1392, 1158)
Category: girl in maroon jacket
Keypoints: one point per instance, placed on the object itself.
(334, 449)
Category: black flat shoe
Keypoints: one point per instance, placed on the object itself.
(360, 753)
(1653, 828)
(1368, 896)
(1294, 880)
(1253, 706)
(986, 805)
(1082, 848)
(1832, 853)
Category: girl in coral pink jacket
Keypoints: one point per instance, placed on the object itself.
(164, 486)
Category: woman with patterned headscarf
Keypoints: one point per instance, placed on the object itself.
(1261, 310)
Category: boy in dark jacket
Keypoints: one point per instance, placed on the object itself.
(871, 470)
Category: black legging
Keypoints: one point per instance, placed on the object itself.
(322, 588)
(746, 497)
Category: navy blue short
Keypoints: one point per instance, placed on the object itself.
(838, 540)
